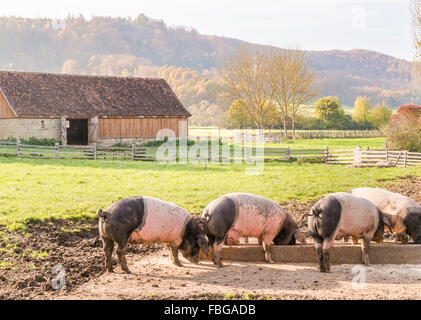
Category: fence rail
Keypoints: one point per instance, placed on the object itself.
(357, 157)
(276, 135)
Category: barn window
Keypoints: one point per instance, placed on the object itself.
(42, 124)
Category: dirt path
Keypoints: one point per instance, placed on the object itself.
(154, 277)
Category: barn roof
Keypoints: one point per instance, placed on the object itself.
(56, 95)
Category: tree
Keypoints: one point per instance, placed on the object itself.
(239, 115)
(293, 83)
(361, 110)
(380, 115)
(245, 78)
(416, 25)
(330, 110)
(404, 129)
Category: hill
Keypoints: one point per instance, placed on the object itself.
(189, 61)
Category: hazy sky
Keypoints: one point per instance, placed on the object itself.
(379, 25)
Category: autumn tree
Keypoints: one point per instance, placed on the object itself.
(245, 78)
(330, 110)
(380, 115)
(404, 129)
(239, 115)
(361, 110)
(293, 83)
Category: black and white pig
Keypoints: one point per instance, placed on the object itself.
(341, 214)
(239, 215)
(404, 212)
(149, 220)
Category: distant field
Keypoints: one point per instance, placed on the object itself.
(341, 143)
(333, 144)
(71, 188)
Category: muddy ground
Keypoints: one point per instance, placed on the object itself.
(29, 260)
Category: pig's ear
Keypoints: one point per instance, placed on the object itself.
(387, 221)
(300, 236)
(203, 244)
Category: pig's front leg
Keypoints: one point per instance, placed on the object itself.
(365, 245)
(174, 255)
(266, 241)
(402, 237)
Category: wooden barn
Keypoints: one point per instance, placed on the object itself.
(79, 109)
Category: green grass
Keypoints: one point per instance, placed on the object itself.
(77, 188)
(332, 144)
(340, 143)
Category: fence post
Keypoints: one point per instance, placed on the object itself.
(95, 151)
(405, 158)
(358, 156)
(326, 155)
(287, 154)
(133, 151)
(17, 149)
(57, 150)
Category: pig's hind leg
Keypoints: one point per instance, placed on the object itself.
(327, 243)
(108, 246)
(217, 250)
(121, 253)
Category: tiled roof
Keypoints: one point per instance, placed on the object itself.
(57, 95)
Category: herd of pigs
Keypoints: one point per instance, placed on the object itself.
(362, 213)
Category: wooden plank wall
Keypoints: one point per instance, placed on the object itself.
(136, 127)
(5, 111)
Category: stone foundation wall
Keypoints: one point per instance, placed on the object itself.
(27, 128)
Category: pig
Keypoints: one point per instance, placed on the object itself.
(342, 215)
(404, 212)
(239, 215)
(149, 220)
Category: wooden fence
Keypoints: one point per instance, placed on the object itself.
(221, 154)
(360, 157)
(276, 135)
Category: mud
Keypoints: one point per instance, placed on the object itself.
(27, 258)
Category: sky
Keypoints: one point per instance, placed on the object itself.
(378, 25)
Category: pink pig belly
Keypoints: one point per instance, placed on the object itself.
(163, 224)
(254, 224)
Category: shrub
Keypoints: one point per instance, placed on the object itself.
(157, 143)
(403, 134)
(34, 141)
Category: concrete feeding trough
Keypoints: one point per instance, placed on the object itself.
(385, 253)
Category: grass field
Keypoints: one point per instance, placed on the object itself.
(341, 143)
(333, 144)
(71, 188)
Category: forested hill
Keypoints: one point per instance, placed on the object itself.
(188, 60)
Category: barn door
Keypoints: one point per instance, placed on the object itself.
(63, 131)
(93, 130)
